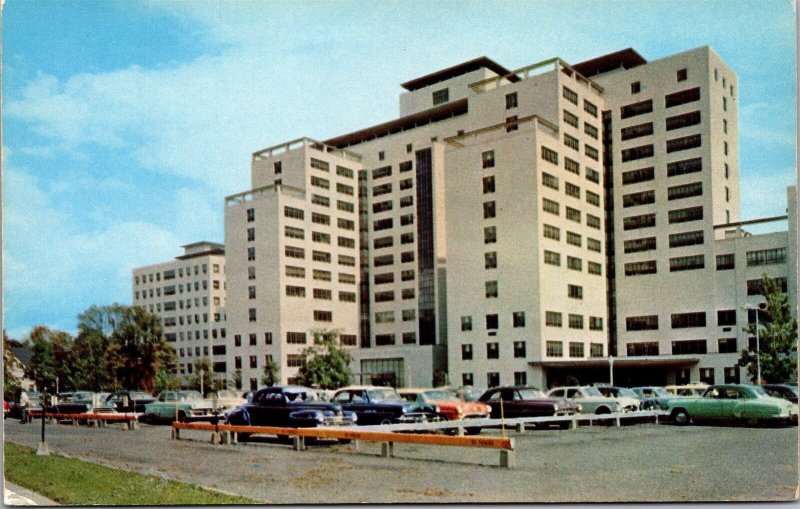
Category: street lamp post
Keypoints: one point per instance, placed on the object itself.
(758, 343)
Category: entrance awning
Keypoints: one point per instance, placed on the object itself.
(620, 362)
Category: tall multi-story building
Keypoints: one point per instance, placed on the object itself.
(188, 294)
(531, 226)
(292, 257)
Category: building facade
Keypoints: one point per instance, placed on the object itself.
(188, 294)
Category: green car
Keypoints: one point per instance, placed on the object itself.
(177, 405)
(732, 402)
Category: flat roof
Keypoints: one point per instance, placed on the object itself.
(456, 70)
(626, 59)
(442, 112)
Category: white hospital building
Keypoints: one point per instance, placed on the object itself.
(510, 227)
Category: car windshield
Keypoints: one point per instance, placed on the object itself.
(384, 395)
(531, 394)
(189, 396)
(660, 391)
(592, 391)
(140, 395)
(626, 392)
(760, 391)
(440, 396)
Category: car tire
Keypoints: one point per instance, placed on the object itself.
(752, 421)
(344, 441)
(602, 411)
(472, 431)
(680, 417)
(386, 421)
(181, 416)
(564, 425)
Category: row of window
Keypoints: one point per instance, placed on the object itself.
(388, 241)
(681, 75)
(570, 189)
(670, 123)
(171, 290)
(318, 293)
(493, 378)
(572, 120)
(171, 273)
(684, 347)
(573, 263)
(493, 350)
(576, 349)
(384, 206)
(673, 216)
(670, 100)
(187, 335)
(571, 96)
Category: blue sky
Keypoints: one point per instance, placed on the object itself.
(126, 123)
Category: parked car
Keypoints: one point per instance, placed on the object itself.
(76, 402)
(6, 409)
(785, 391)
(228, 399)
(654, 397)
(136, 401)
(590, 399)
(288, 406)
(526, 401)
(692, 389)
(469, 393)
(732, 402)
(446, 405)
(627, 398)
(34, 402)
(178, 405)
(380, 405)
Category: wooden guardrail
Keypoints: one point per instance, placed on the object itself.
(101, 418)
(503, 444)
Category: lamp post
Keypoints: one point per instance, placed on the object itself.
(758, 341)
(611, 370)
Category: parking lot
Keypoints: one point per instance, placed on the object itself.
(643, 462)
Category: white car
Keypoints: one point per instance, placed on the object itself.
(227, 400)
(627, 397)
(591, 399)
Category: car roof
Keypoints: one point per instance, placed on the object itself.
(364, 387)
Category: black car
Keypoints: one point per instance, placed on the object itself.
(784, 391)
(288, 406)
(136, 400)
(380, 405)
(525, 401)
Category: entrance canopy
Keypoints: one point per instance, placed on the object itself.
(628, 371)
(620, 362)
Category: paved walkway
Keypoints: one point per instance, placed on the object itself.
(17, 495)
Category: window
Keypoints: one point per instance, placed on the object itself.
(569, 95)
(466, 352)
(406, 201)
(386, 296)
(576, 349)
(519, 349)
(252, 314)
(636, 87)
(488, 159)
(519, 318)
(267, 338)
(634, 323)
(381, 206)
(294, 252)
(685, 191)
(573, 214)
(321, 275)
(405, 166)
(466, 323)
(639, 245)
(726, 317)
(550, 155)
(384, 339)
(552, 319)
(344, 172)
(685, 143)
(641, 152)
(595, 323)
(726, 345)
(637, 222)
(685, 215)
(251, 215)
(320, 165)
(549, 181)
(550, 206)
(386, 277)
(489, 235)
(686, 239)
(295, 291)
(321, 256)
(491, 289)
(682, 74)
(382, 172)
(294, 233)
(551, 232)
(575, 321)
(491, 322)
(344, 206)
(347, 297)
(552, 258)
(345, 224)
(251, 234)
(683, 167)
(592, 175)
(251, 292)
(572, 166)
(489, 210)
(589, 108)
(594, 268)
(492, 379)
(766, 257)
(407, 238)
(406, 184)
(322, 201)
(295, 360)
(574, 292)
(492, 351)
(640, 268)
(635, 109)
(511, 123)
(251, 273)
(591, 152)
(590, 130)
(572, 190)
(382, 224)
(299, 272)
(642, 349)
(382, 189)
(490, 260)
(592, 198)
(466, 379)
(441, 96)
(344, 189)
(296, 338)
(318, 218)
(511, 100)
(682, 263)
(685, 120)
(570, 119)
(596, 349)
(384, 317)
(640, 198)
(688, 320)
(574, 263)
(640, 175)
(554, 349)
(682, 97)
(637, 131)
(725, 262)
(320, 182)
(488, 184)
(349, 279)
(692, 346)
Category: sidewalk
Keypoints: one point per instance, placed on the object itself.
(17, 495)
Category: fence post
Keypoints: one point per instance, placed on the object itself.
(520, 427)
(299, 443)
(387, 449)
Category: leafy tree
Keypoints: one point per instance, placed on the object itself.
(10, 363)
(237, 379)
(270, 374)
(202, 370)
(777, 331)
(144, 350)
(165, 380)
(327, 364)
(53, 359)
(99, 358)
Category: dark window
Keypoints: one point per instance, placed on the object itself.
(682, 97)
(641, 268)
(640, 175)
(649, 322)
(636, 222)
(466, 352)
(725, 262)
(511, 123)
(638, 245)
(685, 215)
(519, 319)
(726, 317)
(632, 154)
(511, 100)
(685, 120)
(691, 346)
(519, 349)
(686, 239)
(636, 131)
(570, 95)
(688, 320)
(685, 143)
(441, 96)
(766, 257)
(726, 345)
(640, 198)
(492, 351)
(681, 75)
(685, 191)
(492, 379)
(636, 87)
(642, 349)
(683, 167)
(640, 108)
(491, 321)
(682, 263)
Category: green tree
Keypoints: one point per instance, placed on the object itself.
(327, 364)
(99, 359)
(202, 371)
(270, 374)
(53, 359)
(777, 332)
(165, 380)
(10, 365)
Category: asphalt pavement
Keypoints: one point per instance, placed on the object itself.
(634, 463)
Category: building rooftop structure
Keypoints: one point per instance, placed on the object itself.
(623, 59)
(456, 70)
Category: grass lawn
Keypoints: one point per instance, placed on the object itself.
(71, 481)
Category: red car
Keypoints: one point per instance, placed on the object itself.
(448, 406)
(6, 409)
